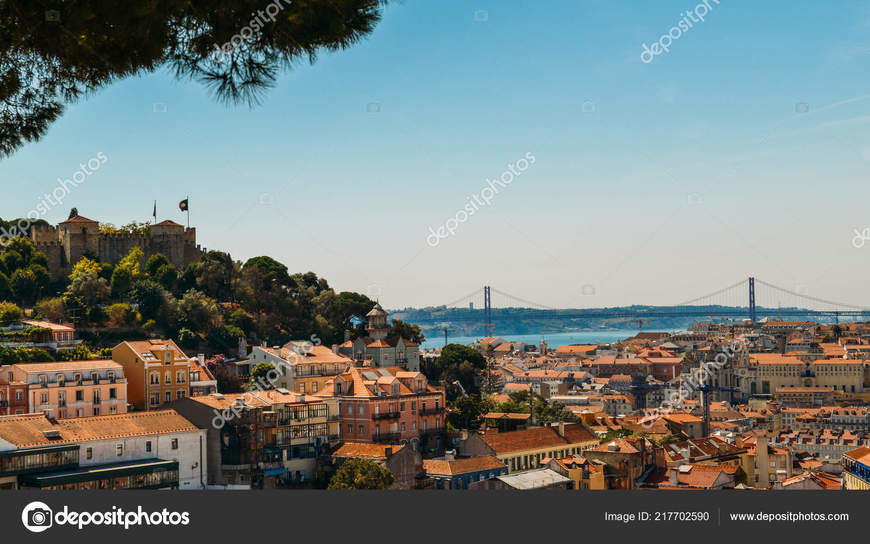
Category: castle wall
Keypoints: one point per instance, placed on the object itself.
(63, 247)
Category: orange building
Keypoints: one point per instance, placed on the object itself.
(157, 372)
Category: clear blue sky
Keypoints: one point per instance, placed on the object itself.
(653, 182)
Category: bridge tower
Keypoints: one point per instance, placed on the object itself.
(752, 314)
(487, 308)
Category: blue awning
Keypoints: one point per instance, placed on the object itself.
(275, 471)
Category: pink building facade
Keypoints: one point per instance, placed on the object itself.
(73, 389)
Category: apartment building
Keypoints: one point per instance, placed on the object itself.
(157, 372)
(143, 450)
(13, 394)
(262, 439)
(72, 389)
(389, 405)
(301, 366)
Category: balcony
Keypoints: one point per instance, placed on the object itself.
(386, 415)
(387, 438)
(432, 432)
(431, 411)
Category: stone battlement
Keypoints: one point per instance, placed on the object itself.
(64, 247)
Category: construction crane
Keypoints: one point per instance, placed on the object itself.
(704, 390)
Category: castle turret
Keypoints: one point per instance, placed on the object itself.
(79, 235)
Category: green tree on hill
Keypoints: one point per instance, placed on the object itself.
(361, 474)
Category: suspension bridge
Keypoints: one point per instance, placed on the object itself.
(750, 298)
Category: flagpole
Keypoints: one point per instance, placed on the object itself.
(188, 212)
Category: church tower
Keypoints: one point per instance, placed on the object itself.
(376, 323)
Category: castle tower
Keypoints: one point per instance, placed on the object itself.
(79, 235)
(376, 323)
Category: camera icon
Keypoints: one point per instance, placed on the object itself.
(373, 107)
(37, 517)
(801, 107)
(481, 16)
(266, 199)
(587, 290)
(159, 107)
(588, 107)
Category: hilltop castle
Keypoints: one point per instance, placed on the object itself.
(65, 244)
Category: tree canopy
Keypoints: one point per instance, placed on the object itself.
(53, 54)
(361, 474)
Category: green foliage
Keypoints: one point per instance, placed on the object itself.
(457, 363)
(24, 355)
(466, 411)
(10, 313)
(613, 434)
(407, 331)
(149, 296)
(260, 375)
(668, 439)
(361, 474)
(86, 286)
(122, 314)
(225, 339)
(79, 353)
(5, 287)
(154, 262)
(134, 227)
(545, 411)
(24, 286)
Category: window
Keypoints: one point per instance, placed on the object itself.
(179, 394)
(89, 453)
(94, 377)
(42, 380)
(169, 396)
(155, 399)
(80, 395)
(96, 410)
(19, 395)
(350, 428)
(148, 446)
(338, 389)
(77, 377)
(119, 450)
(403, 426)
(362, 429)
(43, 398)
(314, 387)
(60, 380)
(179, 377)
(362, 409)
(302, 388)
(168, 378)
(175, 443)
(113, 393)
(155, 378)
(111, 374)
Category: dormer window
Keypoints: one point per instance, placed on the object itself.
(42, 380)
(60, 380)
(77, 377)
(167, 357)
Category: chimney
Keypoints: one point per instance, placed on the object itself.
(450, 455)
(560, 428)
(674, 476)
(388, 452)
(335, 349)
(201, 359)
(243, 348)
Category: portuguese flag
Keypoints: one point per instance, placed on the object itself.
(183, 205)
